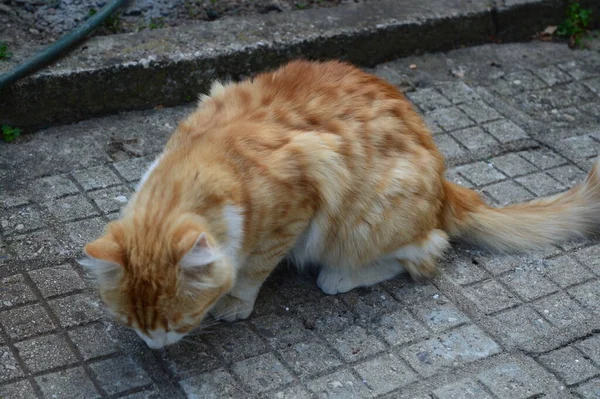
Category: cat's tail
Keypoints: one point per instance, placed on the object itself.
(527, 226)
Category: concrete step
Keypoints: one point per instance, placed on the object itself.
(171, 66)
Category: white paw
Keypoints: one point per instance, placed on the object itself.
(230, 308)
(333, 281)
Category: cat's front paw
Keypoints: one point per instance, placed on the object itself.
(230, 308)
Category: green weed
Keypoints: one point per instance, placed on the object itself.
(112, 23)
(10, 133)
(4, 53)
(576, 25)
(156, 23)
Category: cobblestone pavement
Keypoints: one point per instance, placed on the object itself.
(515, 121)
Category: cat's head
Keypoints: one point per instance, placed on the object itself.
(161, 284)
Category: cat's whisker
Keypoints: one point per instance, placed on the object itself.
(220, 316)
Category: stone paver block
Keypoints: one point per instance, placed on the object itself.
(551, 75)
(96, 177)
(76, 309)
(529, 284)
(93, 341)
(432, 308)
(283, 330)
(543, 159)
(568, 175)
(9, 367)
(510, 381)
(53, 187)
(440, 315)
(133, 169)
(593, 85)
(591, 348)
(561, 310)
(310, 358)
(342, 384)
(541, 184)
(21, 221)
(37, 245)
(466, 389)
(490, 296)
(479, 111)
(327, 315)
(370, 302)
(580, 146)
(569, 365)
(566, 271)
(464, 270)
(513, 165)
(432, 124)
(23, 322)
(579, 69)
(522, 323)
(385, 373)
(590, 390)
(85, 231)
(191, 356)
(295, 288)
(111, 199)
(21, 389)
(15, 291)
(67, 384)
(481, 173)
(450, 119)
(44, 353)
(508, 192)
(262, 373)
(69, 208)
(497, 264)
(505, 131)
(590, 257)
(525, 80)
(448, 146)
(451, 349)
(355, 343)
(116, 375)
(62, 279)
(588, 295)
(458, 92)
(11, 199)
(215, 384)
(428, 99)
(474, 138)
(398, 328)
(453, 176)
(236, 342)
(295, 392)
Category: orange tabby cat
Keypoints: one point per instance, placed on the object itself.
(318, 161)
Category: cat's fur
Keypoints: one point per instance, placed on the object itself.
(318, 161)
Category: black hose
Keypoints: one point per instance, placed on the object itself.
(54, 50)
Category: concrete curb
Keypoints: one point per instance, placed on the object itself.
(171, 66)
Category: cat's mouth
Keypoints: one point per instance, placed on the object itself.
(159, 338)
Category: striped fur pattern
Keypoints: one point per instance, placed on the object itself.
(317, 161)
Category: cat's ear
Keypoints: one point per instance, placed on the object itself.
(201, 254)
(103, 260)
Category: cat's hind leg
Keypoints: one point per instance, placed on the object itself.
(418, 259)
